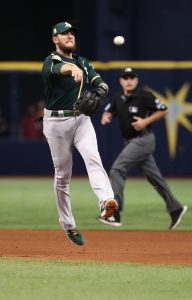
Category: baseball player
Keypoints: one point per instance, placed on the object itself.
(137, 110)
(66, 76)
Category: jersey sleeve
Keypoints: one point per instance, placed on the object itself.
(153, 103)
(52, 66)
(56, 64)
(111, 106)
(56, 68)
(94, 78)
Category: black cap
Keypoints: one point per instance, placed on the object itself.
(129, 72)
(62, 27)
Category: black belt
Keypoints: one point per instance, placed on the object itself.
(139, 134)
(65, 113)
(144, 132)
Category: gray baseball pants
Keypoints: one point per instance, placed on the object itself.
(138, 153)
(62, 133)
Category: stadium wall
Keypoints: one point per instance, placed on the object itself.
(170, 80)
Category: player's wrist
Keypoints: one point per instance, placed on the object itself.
(103, 89)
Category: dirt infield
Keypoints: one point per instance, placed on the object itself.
(168, 247)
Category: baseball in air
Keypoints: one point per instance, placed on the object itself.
(119, 40)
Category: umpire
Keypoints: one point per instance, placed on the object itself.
(137, 109)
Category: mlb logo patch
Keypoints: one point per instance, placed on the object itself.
(133, 109)
(159, 104)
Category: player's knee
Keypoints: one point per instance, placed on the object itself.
(117, 173)
(113, 173)
(63, 179)
(92, 160)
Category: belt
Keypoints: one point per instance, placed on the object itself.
(65, 113)
(139, 134)
(144, 132)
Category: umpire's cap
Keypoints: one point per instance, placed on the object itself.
(128, 72)
(62, 27)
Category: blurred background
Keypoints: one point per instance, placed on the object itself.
(158, 37)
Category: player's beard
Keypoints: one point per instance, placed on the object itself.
(67, 49)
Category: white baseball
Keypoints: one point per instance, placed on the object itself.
(119, 40)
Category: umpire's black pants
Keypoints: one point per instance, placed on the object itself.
(138, 153)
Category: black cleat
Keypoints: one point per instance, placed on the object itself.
(109, 221)
(114, 220)
(177, 216)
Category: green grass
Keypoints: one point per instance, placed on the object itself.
(30, 203)
(33, 280)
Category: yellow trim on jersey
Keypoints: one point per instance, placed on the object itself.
(97, 76)
(52, 64)
(56, 57)
(80, 89)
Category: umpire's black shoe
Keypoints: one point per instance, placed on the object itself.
(114, 220)
(177, 216)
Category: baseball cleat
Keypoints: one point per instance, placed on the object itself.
(110, 207)
(110, 221)
(177, 216)
(75, 236)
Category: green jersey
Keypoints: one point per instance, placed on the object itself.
(62, 91)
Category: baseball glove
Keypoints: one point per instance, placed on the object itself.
(89, 102)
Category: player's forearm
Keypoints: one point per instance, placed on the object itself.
(73, 70)
(106, 118)
(104, 86)
(66, 69)
(155, 117)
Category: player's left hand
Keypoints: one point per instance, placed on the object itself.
(139, 124)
